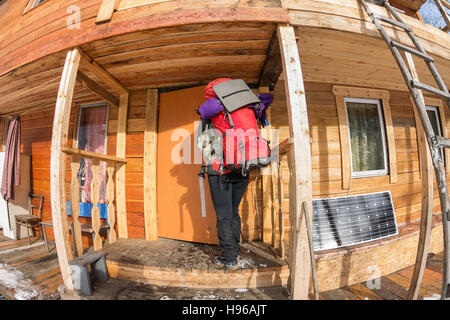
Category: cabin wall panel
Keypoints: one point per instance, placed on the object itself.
(326, 158)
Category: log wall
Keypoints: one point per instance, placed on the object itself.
(326, 152)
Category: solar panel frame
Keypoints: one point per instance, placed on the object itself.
(346, 236)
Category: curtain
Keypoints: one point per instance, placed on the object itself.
(365, 137)
(92, 138)
(11, 166)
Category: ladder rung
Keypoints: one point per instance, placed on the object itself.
(393, 22)
(419, 85)
(411, 50)
(443, 142)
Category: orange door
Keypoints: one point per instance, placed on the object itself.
(179, 208)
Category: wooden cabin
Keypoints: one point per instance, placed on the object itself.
(126, 76)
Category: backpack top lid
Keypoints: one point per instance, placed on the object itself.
(235, 94)
(208, 92)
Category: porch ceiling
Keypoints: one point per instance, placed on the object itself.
(166, 57)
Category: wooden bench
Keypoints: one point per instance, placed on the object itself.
(80, 271)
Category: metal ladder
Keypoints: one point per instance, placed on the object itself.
(415, 87)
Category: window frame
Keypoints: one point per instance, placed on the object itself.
(437, 112)
(32, 4)
(80, 110)
(370, 173)
(79, 113)
(364, 93)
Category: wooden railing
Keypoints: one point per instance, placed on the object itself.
(111, 164)
(278, 181)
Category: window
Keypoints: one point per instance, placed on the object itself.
(32, 4)
(433, 115)
(367, 137)
(91, 136)
(36, 3)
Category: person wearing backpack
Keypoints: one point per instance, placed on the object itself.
(228, 167)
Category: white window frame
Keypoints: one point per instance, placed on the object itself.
(371, 173)
(439, 122)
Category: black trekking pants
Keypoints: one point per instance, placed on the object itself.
(226, 193)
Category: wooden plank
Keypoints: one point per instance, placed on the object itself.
(389, 136)
(92, 155)
(268, 225)
(120, 169)
(58, 165)
(106, 11)
(101, 73)
(150, 153)
(110, 168)
(299, 163)
(95, 197)
(3, 133)
(427, 196)
(75, 203)
(98, 90)
(443, 11)
(272, 66)
(345, 142)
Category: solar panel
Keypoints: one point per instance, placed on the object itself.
(344, 221)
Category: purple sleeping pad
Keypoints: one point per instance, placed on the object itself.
(213, 106)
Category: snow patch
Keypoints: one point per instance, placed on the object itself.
(246, 262)
(241, 290)
(165, 298)
(14, 279)
(433, 297)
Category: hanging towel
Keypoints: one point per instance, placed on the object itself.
(11, 167)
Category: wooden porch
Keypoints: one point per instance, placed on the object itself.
(40, 270)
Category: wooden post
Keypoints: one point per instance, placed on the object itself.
(95, 196)
(75, 203)
(110, 200)
(150, 152)
(106, 11)
(299, 163)
(268, 226)
(427, 197)
(58, 165)
(120, 168)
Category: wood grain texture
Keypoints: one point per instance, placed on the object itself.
(57, 165)
(150, 156)
(120, 168)
(299, 163)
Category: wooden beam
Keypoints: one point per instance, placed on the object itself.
(299, 163)
(120, 169)
(101, 73)
(95, 88)
(92, 155)
(150, 153)
(272, 66)
(427, 172)
(344, 141)
(443, 11)
(106, 11)
(268, 213)
(58, 165)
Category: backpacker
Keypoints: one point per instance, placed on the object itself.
(243, 149)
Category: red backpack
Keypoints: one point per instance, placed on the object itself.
(243, 148)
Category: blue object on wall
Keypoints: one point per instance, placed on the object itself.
(86, 208)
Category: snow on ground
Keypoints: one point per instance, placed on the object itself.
(14, 279)
(433, 297)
